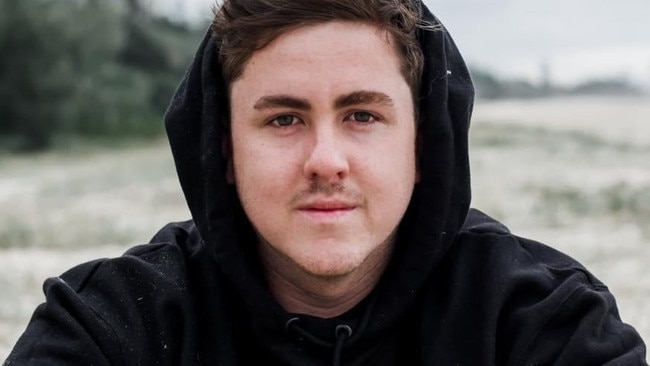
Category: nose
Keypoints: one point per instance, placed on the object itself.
(326, 157)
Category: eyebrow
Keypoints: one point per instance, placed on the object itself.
(363, 97)
(280, 101)
(347, 100)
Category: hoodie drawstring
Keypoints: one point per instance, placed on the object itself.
(342, 333)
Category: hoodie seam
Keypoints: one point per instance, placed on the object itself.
(78, 290)
(581, 289)
(113, 333)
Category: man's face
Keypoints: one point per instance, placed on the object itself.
(323, 143)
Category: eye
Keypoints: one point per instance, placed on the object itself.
(285, 120)
(363, 117)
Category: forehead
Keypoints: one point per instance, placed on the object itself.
(333, 33)
(331, 55)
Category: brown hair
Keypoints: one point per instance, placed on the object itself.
(242, 27)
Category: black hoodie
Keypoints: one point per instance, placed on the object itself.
(460, 289)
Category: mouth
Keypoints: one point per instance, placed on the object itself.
(327, 209)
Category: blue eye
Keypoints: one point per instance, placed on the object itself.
(284, 121)
(364, 117)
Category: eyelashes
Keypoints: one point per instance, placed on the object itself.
(289, 120)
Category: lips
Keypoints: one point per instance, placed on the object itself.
(327, 205)
(326, 209)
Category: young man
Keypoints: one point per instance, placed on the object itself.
(322, 149)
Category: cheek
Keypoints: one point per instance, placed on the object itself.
(248, 168)
(251, 181)
(397, 179)
(396, 158)
(390, 174)
(263, 188)
(400, 171)
(262, 176)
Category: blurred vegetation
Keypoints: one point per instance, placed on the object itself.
(621, 201)
(556, 201)
(91, 68)
(106, 69)
(489, 86)
(511, 135)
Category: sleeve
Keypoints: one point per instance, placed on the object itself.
(584, 330)
(65, 330)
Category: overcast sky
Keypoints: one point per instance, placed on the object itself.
(577, 39)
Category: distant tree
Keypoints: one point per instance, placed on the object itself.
(88, 67)
(35, 72)
(487, 85)
(49, 50)
(141, 49)
(612, 86)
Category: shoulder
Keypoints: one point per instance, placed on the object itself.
(111, 310)
(545, 304)
(519, 272)
(527, 282)
(162, 260)
(500, 250)
(130, 288)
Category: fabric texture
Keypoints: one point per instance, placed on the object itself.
(460, 289)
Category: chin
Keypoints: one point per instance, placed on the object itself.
(330, 267)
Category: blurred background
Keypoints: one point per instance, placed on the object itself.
(560, 142)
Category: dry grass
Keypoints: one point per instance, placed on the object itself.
(572, 173)
(575, 174)
(61, 209)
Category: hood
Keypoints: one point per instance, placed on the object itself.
(196, 129)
